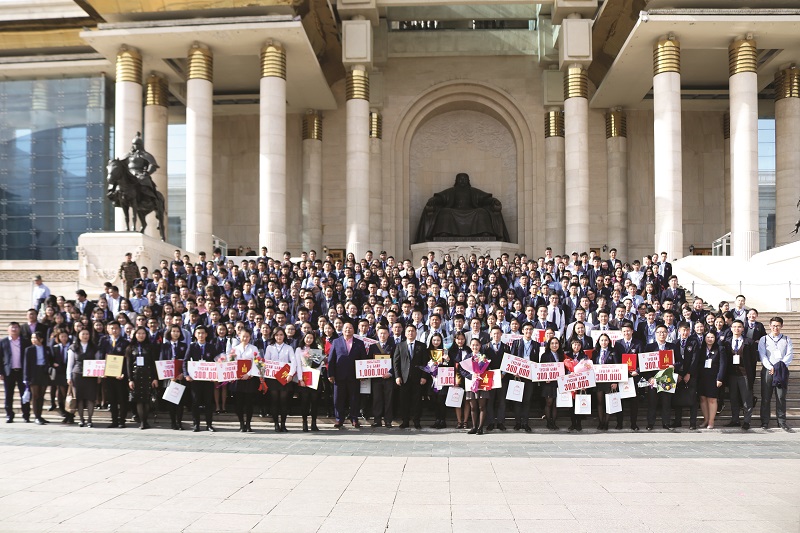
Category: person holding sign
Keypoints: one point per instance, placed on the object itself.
(528, 349)
(687, 366)
(279, 392)
(552, 354)
(246, 385)
(37, 361)
(659, 345)
(140, 357)
(713, 367)
(407, 360)
(202, 391)
(604, 355)
(309, 356)
(342, 356)
(441, 359)
(457, 352)
(83, 389)
(626, 350)
(575, 356)
(477, 399)
(115, 388)
(496, 407)
(173, 349)
(382, 388)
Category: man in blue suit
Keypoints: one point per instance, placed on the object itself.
(344, 353)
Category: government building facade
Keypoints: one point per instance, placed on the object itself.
(644, 126)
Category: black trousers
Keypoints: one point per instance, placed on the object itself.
(202, 394)
(117, 393)
(382, 391)
(245, 400)
(630, 406)
(11, 381)
(522, 410)
(309, 401)
(652, 403)
(411, 401)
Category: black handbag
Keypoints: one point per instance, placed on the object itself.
(684, 396)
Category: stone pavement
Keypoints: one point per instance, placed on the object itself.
(56, 478)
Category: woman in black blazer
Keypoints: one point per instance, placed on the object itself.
(552, 354)
(603, 354)
(140, 358)
(172, 349)
(61, 344)
(577, 355)
(36, 364)
(713, 366)
(457, 352)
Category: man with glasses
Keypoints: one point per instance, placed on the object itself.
(775, 351)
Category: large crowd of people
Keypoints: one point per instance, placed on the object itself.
(442, 330)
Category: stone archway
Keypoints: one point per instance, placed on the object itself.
(451, 99)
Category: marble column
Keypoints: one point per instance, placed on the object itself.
(127, 109)
(668, 155)
(553, 234)
(199, 124)
(155, 142)
(742, 64)
(376, 208)
(357, 165)
(312, 182)
(787, 153)
(617, 171)
(576, 153)
(272, 149)
(726, 170)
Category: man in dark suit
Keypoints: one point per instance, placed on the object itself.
(33, 326)
(652, 392)
(116, 388)
(687, 370)
(527, 348)
(665, 267)
(741, 374)
(202, 391)
(408, 358)
(83, 304)
(674, 293)
(382, 388)
(496, 406)
(344, 353)
(629, 344)
(12, 351)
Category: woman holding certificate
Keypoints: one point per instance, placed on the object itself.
(552, 354)
(140, 357)
(83, 389)
(279, 392)
(36, 363)
(309, 356)
(246, 385)
(713, 361)
(174, 349)
(479, 365)
(604, 355)
(458, 352)
(440, 359)
(571, 359)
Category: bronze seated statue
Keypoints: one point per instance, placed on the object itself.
(462, 212)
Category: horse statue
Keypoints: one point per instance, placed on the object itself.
(134, 198)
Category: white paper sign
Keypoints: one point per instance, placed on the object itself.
(576, 381)
(226, 371)
(366, 340)
(372, 368)
(174, 392)
(165, 369)
(627, 389)
(517, 366)
(202, 370)
(365, 386)
(515, 390)
(613, 334)
(445, 377)
(508, 338)
(610, 373)
(613, 403)
(564, 399)
(583, 404)
(648, 361)
(547, 371)
(311, 377)
(497, 382)
(271, 368)
(455, 397)
(94, 368)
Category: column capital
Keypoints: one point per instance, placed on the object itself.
(554, 124)
(156, 91)
(616, 124)
(201, 63)
(576, 83)
(742, 56)
(375, 125)
(787, 83)
(129, 65)
(667, 55)
(312, 126)
(273, 60)
(357, 84)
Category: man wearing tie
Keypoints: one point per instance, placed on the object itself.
(630, 345)
(686, 368)
(496, 406)
(202, 391)
(382, 388)
(12, 350)
(344, 353)
(741, 374)
(528, 349)
(83, 304)
(407, 360)
(652, 392)
(674, 293)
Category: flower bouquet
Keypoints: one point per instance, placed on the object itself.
(480, 365)
(665, 380)
(262, 370)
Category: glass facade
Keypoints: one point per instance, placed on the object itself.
(766, 183)
(54, 142)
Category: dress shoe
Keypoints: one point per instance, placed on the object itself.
(354, 423)
(82, 425)
(39, 422)
(489, 428)
(517, 427)
(9, 420)
(732, 424)
(618, 426)
(180, 427)
(571, 428)
(677, 424)
(122, 425)
(720, 406)
(692, 428)
(417, 425)
(480, 431)
(764, 426)
(27, 420)
(404, 425)
(284, 430)
(44, 421)
(435, 425)
(745, 426)
(667, 427)
(278, 427)
(241, 428)
(501, 426)
(210, 428)
(472, 431)
(787, 429)
(314, 426)
(389, 425)
(337, 425)
(89, 425)
(248, 429)
(375, 425)
(635, 427)
(443, 425)
(196, 429)
(527, 428)
(112, 426)
(141, 426)
(52, 408)
(649, 428)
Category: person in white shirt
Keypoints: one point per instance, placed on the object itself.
(40, 293)
(279, 394)
(773, 349)
(247, 385)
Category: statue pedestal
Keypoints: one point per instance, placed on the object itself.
(101, 254)
(465, 248)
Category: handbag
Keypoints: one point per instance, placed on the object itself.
(683, 396)
(52, 373)
(71, 404)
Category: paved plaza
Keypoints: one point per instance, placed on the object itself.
(56, 478)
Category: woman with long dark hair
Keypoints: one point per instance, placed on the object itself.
(552, 354)
(247, 385)
(83, 389)
(140, 358)
(306, 358)
(279, 393)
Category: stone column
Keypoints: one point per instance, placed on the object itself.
(668, 154)
(376, 207)
(199, 123)
(554, 183)
(357, 168)
(155, 142)
(576, 153)
(127, 109)
(617, 170)
(787, 153)
(272, 149)
(726, 169)
(312, 182)
(742, 63)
